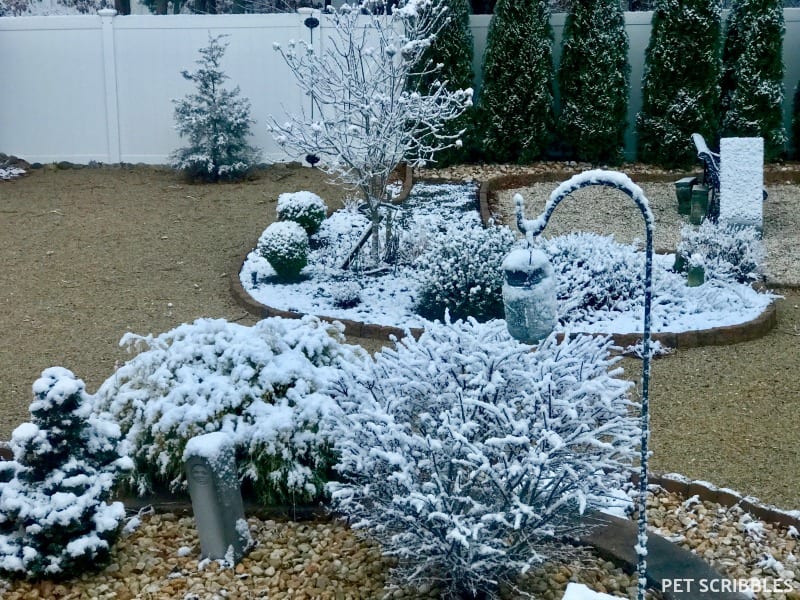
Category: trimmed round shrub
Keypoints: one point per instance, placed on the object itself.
(461, 273)
(304, 208)
(285, 245)
(466, 453)
(726, 252)
(264, 385)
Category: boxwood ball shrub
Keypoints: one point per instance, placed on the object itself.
(263, 385)
(466, 453)
(304, 208)
(285, 245)
(461, 274)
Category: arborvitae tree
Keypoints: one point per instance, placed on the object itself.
(796, 121)
(752, 82)
(452, 49)
(680, 91)
(216, 122)
(55, 521)
(593, 81)
(517, 97)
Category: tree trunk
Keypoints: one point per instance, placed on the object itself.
(375, 252)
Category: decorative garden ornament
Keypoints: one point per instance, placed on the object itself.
(529, 295)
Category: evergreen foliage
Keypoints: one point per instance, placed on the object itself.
(285, 245)
(452, 49)
(796, 121)
(752, 81)
(517, 97)
(304, 208)
(680, 90)
(593, 81)
(55, 521)
(215, 121)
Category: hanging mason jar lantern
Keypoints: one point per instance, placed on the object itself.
(529, 295)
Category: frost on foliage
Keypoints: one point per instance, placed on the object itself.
(367, 115)
(262, 385)
(726, 252)
(215, 121)
(517, 94)
(465, 453)
(55, 520)
(460, 273)
(285, 245)
(304, 208)
(680, 86)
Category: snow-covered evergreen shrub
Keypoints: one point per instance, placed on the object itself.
(726, 252)
(593, 81)
(285, 245)
(55, 519)
(752, 82)
(516, 101)
(460, 273)
(264, 385)
(680, 86)
(346, 294)
(304, 208)
(593, 273)
(215, 121)
(466, 452)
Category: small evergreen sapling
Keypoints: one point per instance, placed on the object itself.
(516, 102)
(680, 86)
(215, 121)
(55, 520)
(593, 81)
(752, 82)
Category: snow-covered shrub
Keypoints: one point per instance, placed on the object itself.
(517, 95)
(215, 121)
(466, 452)
(796, 121)
(680, 86)
(726, 252)
(346, 294)
(593, 81)
(8, 170)
(460, 273)
(752, 81)
(304, 208)
(285, 245)
(55, 520)
(593, 273)
(263, 385)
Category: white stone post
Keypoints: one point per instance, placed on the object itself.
(741, 179)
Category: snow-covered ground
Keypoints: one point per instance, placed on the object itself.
(388, 298)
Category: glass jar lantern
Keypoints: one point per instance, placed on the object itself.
(529, 295)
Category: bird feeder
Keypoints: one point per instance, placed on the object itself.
(529, 295)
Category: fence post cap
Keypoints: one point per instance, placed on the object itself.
(107, 12)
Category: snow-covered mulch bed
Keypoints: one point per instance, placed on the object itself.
(589, 266)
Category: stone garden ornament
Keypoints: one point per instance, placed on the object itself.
(534, 227)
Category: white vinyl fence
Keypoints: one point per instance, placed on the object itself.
(99, 88)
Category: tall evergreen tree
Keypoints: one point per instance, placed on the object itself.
(752, 82)
(796, 121)
(680, 87)
(55, 521)
(593, 81)
(452, 49)
(516, 102)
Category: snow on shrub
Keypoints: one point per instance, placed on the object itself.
(285, 245)
(304, 208)
(9, 172)
(726, 252)
(460, 272)
(593, 273)
(465, 453)
(55, 520)
(263, 385)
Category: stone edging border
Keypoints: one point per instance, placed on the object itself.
(717, 336)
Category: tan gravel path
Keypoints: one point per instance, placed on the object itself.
(88, 255)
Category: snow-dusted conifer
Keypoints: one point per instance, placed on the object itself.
(215, 121)
(366, 117)
(680, 87)
(593, 81)
(796, 121)
(55, 520)
(516, 101)
(752, 82)
(285, 245)
(466, 452)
